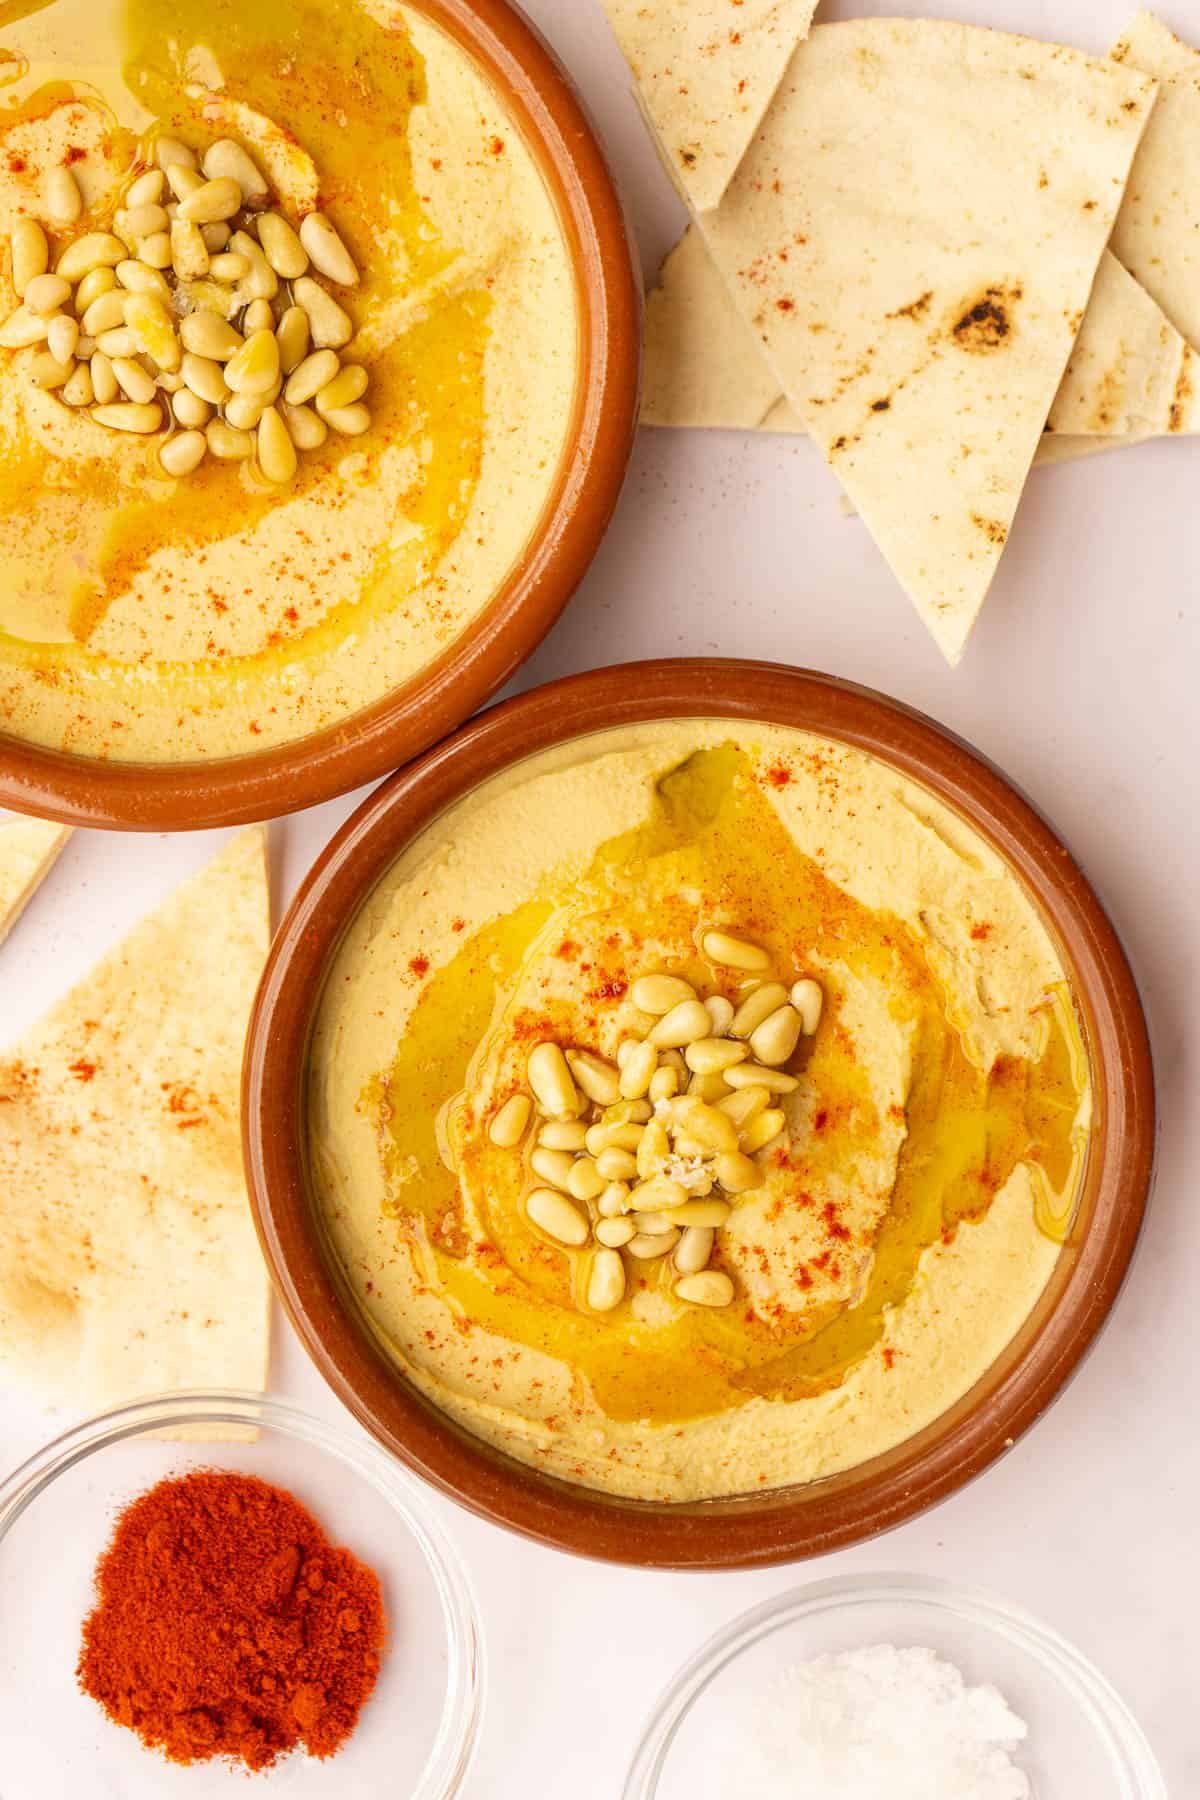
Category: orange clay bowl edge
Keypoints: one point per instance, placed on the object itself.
(238, 790)
(783, 1524)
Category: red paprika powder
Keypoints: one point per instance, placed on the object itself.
(226, 1624)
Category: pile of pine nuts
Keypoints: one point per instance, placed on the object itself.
(198, 313)
(648, 1157)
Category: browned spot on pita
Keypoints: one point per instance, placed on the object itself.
(986, 324)
(1129, 106)
(1043, 179)
(1089, 205)
(1120, 51)
(992, 529)
(688, 158)
(880, 405)
(916, 309)
(1184, 390)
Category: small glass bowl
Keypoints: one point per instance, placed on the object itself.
(1083, 1740)
(417, 1733)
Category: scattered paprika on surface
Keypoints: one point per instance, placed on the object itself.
(226, 1624)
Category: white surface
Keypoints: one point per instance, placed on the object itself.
(1081, 683)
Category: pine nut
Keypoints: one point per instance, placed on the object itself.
(614, 1201)
(325, 248)
(707, 1215)
(737, 1174)
(45, 371)
(659, 994)
(262, 283)
(128, 416)
(216, 235)
(30, 254)
(100, 281)
(808, 998)
(205, 378)
(212, 200)
(347, 386)
(585, 1182)
(617, 1165)
(118, 342)
(638, 1069)
(649, 1246)
(694, 1249)
(307, 431)
(653, 1224)
(733, 952)
(658, 1194)
(330, 326)
(138, 278)
(227, 443)
(762, 1131)
(776, 1038)
(152, 326)
(553, 1165)
(189, 252)
(259, 315)
(664, 1083)
(708, 1056)
(78, 391)
(744, 1105)
(134, 380)
(155, 250)
(709, 1288)
(183, 453)
(276, 451)
(62, 335)
(628, 1112)
(509, 1125)
(104, 382)
(281, 247)
(653, 1150)
(227, 160)
(106, 313)
(140, 222)
(95, 250)
(615, 1232)
(147, 190)
(550, 1078)
(609, 1137)
(169, 152)
(606, 1283)
(597, 1078)
(292, 332)
(253, 368)
(64, 202)
(314, 373)
(210, 337)
(758, 1005)
(563, 1134)
(349, 421)
(46, 294)
(711, 1087)
(169, 380)
(752, 1074)
(705, 1123)
(21, 329)
(190, 410)
(682, 1025)
(720, 1011)
(228, 266)
(557, 1217)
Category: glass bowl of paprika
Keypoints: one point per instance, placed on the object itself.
(198, 1585)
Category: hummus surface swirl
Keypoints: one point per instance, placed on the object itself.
(145, 618)
(909, 1220)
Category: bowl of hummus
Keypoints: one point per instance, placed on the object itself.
(698, 1115)
(319, 344)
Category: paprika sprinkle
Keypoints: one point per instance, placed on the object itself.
(226, 1624)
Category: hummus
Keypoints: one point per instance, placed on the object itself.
(147, 618)
(907, 1220)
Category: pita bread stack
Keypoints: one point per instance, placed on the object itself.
(915, 246)
(128, 1259)
(29, 849)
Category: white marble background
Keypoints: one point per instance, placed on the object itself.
(1082, 684)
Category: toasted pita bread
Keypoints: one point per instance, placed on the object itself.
(28, 850)
(914, 235)
(128, 1259)
(706, 71)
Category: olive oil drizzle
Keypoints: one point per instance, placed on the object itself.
(712, 832)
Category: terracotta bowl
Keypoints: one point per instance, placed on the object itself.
(238, 790)
(786, 1523)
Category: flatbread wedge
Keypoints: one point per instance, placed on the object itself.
(29, 849)
(913, 235)
(706, 71)
(128, 1258)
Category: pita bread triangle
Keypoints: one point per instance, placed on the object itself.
(129, 1263)
(706, 71)
(913, 235)
(28, 850)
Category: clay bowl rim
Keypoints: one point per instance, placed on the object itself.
(785, 1524)
(149, 796)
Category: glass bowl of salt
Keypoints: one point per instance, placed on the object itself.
(897, 1685)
